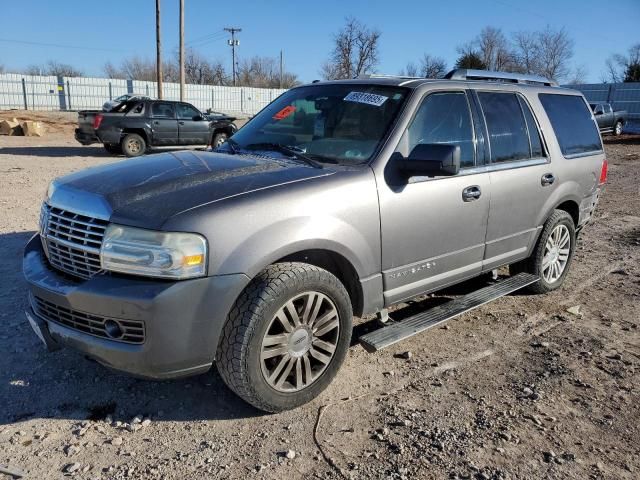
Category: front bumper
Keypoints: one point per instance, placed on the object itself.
(182, 319)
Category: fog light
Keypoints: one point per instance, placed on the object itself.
(113, 329)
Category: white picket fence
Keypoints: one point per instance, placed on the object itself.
(34, 92)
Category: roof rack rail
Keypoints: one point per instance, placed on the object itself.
(380, 75)
(468, 74)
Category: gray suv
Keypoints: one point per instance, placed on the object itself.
(338, 199)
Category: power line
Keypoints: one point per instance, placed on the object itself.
(55, 45)
(217, 33)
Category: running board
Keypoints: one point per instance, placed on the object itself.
(385, 336)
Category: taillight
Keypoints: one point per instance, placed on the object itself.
(603, 172)
(97, 120)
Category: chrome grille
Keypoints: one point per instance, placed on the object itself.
(73, 240)
(130, 331)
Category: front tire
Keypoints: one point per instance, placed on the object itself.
(617, 129)
(133, 145)
(218, 139)
(552, 255)
(286, 336)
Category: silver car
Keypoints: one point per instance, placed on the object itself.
(339, 199)
(110, 104)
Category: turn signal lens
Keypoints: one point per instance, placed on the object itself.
(193, 260)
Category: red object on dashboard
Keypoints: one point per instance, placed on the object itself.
(285, 112)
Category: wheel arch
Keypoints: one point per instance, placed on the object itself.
(140, 131)
(336, 264)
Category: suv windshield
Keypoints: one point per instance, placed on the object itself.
(338, 123)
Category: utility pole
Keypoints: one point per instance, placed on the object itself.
(158, 52)
(281, 68)
(233, 43)
(182, 50)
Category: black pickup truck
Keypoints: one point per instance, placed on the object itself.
(609, 121)
(134, 126)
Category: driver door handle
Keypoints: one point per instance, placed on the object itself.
(471, 193)
(547, 179)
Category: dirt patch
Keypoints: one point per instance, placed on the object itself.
(520, 388)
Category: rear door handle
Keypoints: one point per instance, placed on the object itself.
(547, 179)
(181, 123)
(471, 193)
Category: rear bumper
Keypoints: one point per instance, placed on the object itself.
(86, 138)
(182, 320)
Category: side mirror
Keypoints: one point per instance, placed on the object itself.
(431, 160)
(198, 118)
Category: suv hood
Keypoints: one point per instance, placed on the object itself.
(147, 191)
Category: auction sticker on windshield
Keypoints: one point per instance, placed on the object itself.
(367, 98)
(284, 113)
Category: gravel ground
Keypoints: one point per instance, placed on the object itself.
(525, 387)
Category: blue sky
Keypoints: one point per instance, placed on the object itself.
(114, 29)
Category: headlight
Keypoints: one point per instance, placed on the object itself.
(154, 254)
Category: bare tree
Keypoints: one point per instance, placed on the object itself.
(622, 67)
(578, 75)
(355, 51)
(53, 68)
(411, 70)
(264, 72)
(526, 52)
(555, 53)
(493, 48)
(1, 68)
(200, 71)
(136, 68)
(432, 67)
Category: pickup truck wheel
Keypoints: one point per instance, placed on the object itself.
(617, 129)
(112, 148)
(133, 145)
(286, 336)
(552, 255)
(218, 139)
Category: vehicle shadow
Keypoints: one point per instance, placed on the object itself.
(55, 151)
(79, 151)
(626, 139)
(35, 383)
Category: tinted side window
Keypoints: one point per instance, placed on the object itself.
(534, 134)
(508, 137)
(572, 123)
(163, 110)
(187, 111)
(444, 118)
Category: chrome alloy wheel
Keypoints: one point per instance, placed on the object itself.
(556, 253)
(300, 342)
(134, 145)
(618, 128)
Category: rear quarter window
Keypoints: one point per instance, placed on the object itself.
(572, 124)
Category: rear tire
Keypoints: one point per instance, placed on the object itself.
(552, 256)
(133, 145)
(617, 129)
(285, 337)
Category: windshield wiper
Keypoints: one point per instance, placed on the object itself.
(291, 152)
